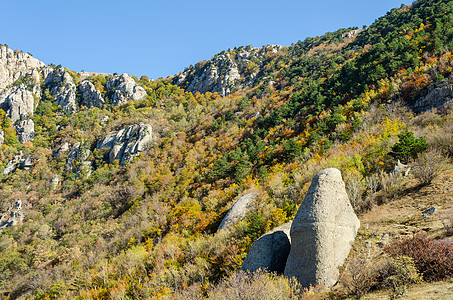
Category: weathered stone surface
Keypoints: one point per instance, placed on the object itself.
(17, 102)
(13, 215)
(270, 251)
(226, 72)
(62, 86)
(62, 149)
(351, 34)
(91, 97)
(238, 211)
(322, 232)
(400, 169)
(19, 161)
(2, 137)
(15, 65)
(127, 143)
(439, 95)
(25, 130)
(79, 153)
(124, 89)
(55, 182)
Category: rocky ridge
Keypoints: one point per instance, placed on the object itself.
(226, 72)
(62, 86)
(91, 97)
(124, 88)
(15, 65)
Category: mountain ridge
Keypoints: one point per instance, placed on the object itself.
(124, 181)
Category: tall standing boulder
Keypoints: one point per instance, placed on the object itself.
(322, 232)
(270, 251)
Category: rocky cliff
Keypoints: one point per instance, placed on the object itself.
(228, 71)
(124, 88)
(15, 65)
(127, 143)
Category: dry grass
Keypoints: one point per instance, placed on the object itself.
(426, 291)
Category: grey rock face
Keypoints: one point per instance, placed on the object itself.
(25, 130)
(226, 72)
(90, 96)
(62, 149)
(270, 251)
(12, 216)
(351, 34)
(15, 65)
(125, 88)
(62, 86)
(127, 143)
(400, 169)
(78, 154)
(322, 232)
(238, 211)
(17, 102)
(440, 94)
(19, 161)
(54, 182)
(2, 137)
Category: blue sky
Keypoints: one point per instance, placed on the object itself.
(161, 38)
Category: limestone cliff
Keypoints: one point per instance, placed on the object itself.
(228, 71)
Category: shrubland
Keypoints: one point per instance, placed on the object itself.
(148, 229)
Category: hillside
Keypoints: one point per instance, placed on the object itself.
(114, 186)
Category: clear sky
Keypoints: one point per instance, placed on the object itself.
(161, 38)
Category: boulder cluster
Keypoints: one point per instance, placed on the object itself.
(226, 72)
(127, 143)
(23, 78)
(316, 243)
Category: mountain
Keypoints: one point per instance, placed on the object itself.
(114, 186)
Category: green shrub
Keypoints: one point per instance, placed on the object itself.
(408, 147)
(399, 273)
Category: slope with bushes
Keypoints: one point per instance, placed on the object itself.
(147, 229)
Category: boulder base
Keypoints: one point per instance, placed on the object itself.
(270, 251)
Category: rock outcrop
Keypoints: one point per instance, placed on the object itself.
(91, 97)
(439, 95)
(227, 72)
(2, 137)
(15, 65)
(12, 216)
(25, 130)
(62, 86)
(322, 232)
(270, 251)
(17, 102)
(63, 148)
(19, 161)
(127, 143)
(238, 211)
(124, 88)
(77, 159)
